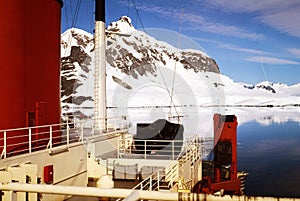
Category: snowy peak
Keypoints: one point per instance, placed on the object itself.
(123, 25)
(266, 86)
(75, 37)
(135, 59)
(138, 54)
(131, 58)
(269, 86)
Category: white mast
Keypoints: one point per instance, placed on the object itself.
(100, 66)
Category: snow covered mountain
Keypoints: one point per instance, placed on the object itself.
(142, 71)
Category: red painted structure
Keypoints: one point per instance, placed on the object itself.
(224, 166)
(30, 63)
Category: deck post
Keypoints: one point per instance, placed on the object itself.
(145, 149)
(50, 140)
(29, 140)
(172, 149)
(5, 144)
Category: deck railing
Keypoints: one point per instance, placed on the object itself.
(150, 148)
(171, 149)
(152, 182)
(26, 140)
(166, 178)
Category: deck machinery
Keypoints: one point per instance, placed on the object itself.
(220, 174)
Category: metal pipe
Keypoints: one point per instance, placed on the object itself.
(125, 193)
(134, 196)
(86, 191)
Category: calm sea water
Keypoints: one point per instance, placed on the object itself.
(271, 156)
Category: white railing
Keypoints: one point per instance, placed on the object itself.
(192, 154)
(164, 178)
(207, 145)
(168, 177)
(184, 152)
(26, 140)
(125, 144)
(149, 148)
(172, 173)
(152, 182)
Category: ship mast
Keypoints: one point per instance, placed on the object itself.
(100, 67)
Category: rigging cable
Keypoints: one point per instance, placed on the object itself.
(66, 14)
(128, 8)
(165, 83)
(175, 66)
(169, 93)
(138, 15)
(90, 8)
(76, 13)
(74, 20)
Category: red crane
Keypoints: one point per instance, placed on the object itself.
(222, 172)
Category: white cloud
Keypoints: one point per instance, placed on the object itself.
(271, 60)
(253, 5)
(294, 51)
(230, 46)
(281, 15)
(285, 21)
(197, 22)
(241, 49)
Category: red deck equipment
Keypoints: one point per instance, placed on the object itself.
(224, 166)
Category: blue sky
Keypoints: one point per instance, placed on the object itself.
(252, 41)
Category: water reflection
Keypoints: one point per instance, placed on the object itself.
(271, 156)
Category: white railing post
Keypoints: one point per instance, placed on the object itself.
(150, 183)
(13, 196)
(173, 150)
(81, 133)
(5, 144)
(119, 146)
(68, 133)
(29, 140)
(158, 179)
(145, 149)
(129, 144)
(50, 140)
(105, 123)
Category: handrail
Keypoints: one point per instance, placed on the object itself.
(190, 154)
(26, 140)
(152, 182)
(170, 148)
(172, 173)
